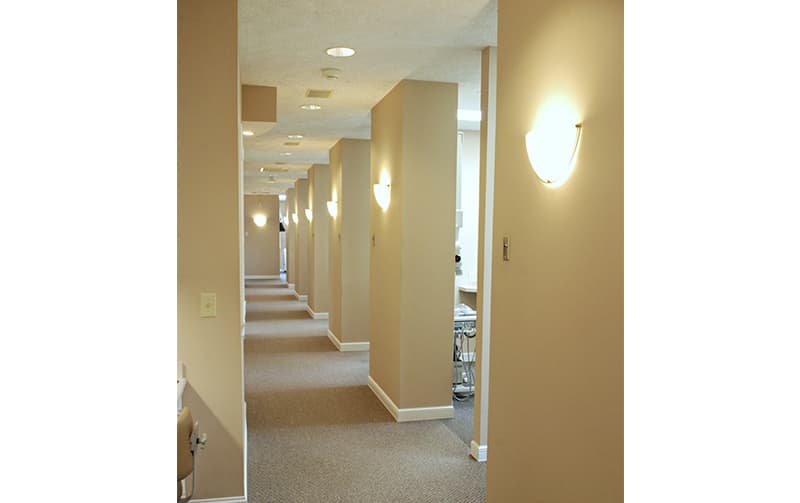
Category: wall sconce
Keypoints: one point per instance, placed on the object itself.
(383, 194)
(294, 218)
(260, 219)
(552, 153)
(333, 208)
(552, 143)
(309, 214)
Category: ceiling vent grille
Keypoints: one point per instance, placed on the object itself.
(319, 93)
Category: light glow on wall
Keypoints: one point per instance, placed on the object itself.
(309, 214)
(260, 219)
(333, 208)
(294, 218)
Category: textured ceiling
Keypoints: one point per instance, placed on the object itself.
(282, 43)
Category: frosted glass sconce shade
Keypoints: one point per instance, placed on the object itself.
(382, 194)
(309, 214)
(552, 152)
(333, 208)
(294, 218)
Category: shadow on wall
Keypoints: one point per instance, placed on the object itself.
(212, 475)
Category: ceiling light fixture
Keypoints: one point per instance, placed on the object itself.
(311, 106)
(340, 52)
(261, 169)
(285, 154)
(247, 133)
(260, 219)
(295, 137)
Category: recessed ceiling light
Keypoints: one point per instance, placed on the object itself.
(340, 52)
(261, 170)
(310, 106)
(295, 137)
(286, 153)
(247, 133)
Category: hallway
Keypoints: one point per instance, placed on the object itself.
(316, 433)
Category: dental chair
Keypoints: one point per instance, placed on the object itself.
(188, 443)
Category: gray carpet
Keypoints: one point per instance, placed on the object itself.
(316, 432)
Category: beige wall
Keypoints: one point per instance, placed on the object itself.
(349, 241)
(301, 237)
(291, 237)
(335, 243)
(261, 252)
(318, 194)
(209, 237)
(411, 262)
(259, 103)
(556, 407)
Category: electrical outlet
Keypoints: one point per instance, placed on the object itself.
(208, 305)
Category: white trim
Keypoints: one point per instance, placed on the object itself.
(412, 413)
(231, 499)
(257, 276)
(316, 316)
(478, 452)
(488, 233)
(291, 286)
(301, 298)
(347, 346)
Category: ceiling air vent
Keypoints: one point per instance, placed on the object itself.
(319, 93)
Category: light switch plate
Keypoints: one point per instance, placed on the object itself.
(208, 305)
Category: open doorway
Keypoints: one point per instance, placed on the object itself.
(466, 280)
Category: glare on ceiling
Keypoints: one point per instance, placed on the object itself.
(310, 106)
(286, 153)
(340, 52)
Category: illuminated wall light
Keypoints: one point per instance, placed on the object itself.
(309, 214)
(333, 208)
(295, 219)
(383, 194)
(553, 143)
(260, 219)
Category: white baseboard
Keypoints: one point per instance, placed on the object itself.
(232, 499)
(256, 276)
(412, 413)
(347, 346)
(478, 452)
(316, 316)
(301, 298)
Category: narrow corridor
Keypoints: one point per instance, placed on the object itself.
(316, 432)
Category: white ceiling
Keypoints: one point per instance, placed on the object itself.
(282, 43)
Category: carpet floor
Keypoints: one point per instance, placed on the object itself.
(317, 433)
